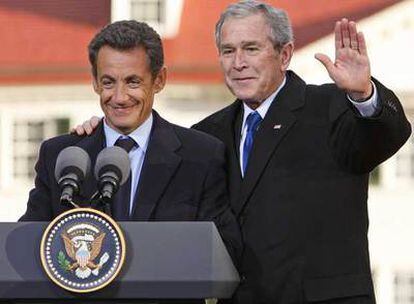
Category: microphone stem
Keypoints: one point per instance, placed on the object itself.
(107, 209)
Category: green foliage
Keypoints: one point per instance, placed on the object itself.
(63, 262)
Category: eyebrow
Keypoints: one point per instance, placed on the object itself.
(132, 77)
(127, 78)
(106, 76)
(248, 43)
(243, 44)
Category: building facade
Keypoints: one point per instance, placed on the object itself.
(45, 88)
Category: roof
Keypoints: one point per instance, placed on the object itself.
(44, 41)
(192, 55)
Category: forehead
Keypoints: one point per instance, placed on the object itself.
(246, 29)
(127, 61)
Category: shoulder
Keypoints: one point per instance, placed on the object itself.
(196, 139)
(326, 89)
(189, 142)
(310, 94)
(195, 146)
(221, 119)
(51, 147)
(322, 94)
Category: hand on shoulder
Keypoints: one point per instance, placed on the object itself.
(87, 127)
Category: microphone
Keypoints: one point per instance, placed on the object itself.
(111, 170)
(72, 166)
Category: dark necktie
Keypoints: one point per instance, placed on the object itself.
(252, 122)
(120, 204)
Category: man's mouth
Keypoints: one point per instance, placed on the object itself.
(124, 109)
(121, 107)
(243, 79)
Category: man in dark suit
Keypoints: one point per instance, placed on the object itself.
(298, 167)
(178, 174)
(300, 195)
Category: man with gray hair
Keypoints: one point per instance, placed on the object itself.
(299, 157)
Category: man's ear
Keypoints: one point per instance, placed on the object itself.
(286, 54)
(160, 79)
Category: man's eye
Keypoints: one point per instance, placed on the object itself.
(107, 83)
(226, 51)
(252, 49)
(133, 83)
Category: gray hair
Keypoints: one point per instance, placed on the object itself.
(280, 27)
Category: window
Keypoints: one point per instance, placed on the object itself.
(163, 16)
(404, 288)
(150, 11)
(28, 135)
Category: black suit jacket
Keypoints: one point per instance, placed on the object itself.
(183, 179)
(302, 205)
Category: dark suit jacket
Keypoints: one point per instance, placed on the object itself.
(183, 179)
(302, 205)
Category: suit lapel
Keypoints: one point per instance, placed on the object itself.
(235, 177)
(159, 166)
(228, 130)
(276, 124)
(92, 145)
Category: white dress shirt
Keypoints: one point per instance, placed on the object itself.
(137, 154)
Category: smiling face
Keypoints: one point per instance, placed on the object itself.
(126, 87)
(252, 68)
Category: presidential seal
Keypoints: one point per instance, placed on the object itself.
(82, 250)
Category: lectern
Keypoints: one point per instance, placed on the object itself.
(164, 260)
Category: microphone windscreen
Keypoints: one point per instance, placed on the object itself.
(113, 157)
(72, 158)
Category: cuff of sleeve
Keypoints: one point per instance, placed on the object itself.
(369, 107)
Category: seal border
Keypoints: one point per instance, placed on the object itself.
(57, 219)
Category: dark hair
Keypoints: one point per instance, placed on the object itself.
(126, 35)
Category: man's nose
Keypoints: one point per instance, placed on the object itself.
(239, 62)
(120, 94)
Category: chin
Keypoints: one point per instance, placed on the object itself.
(119, 125)
(125, 129)
(242, 94)
(244, 97)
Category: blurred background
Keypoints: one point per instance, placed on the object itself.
(45, 88)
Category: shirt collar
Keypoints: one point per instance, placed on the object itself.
(140, 135)
(264, 106)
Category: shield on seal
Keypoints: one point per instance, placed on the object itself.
(82, 250)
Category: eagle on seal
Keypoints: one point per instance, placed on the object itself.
(83, 251)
